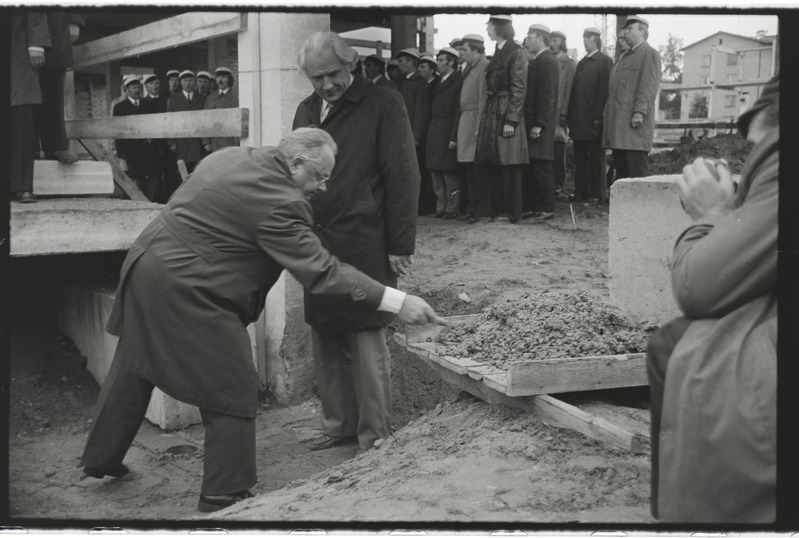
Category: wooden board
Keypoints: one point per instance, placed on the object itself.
(82, 177)
(120, 177)
(192, 124)
(177, 31)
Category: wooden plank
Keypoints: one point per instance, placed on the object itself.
(160, 35)
(184, 172)
(120, 177)
(82, 177)
(576, 374)
(192, 124)
(556, 412)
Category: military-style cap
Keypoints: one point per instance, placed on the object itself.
(429, 58)
(558, 33)
(172, 73)
(592, 30)
(538, 28)
(205, 74)
(457, 42)
(636, 18)
(769, 96)
(392, 63)
(150, 78)
(186, 73)
(474, 37)
(449, 50)
(130, 79)
(375, 58)
(500, 17)
(221, 70)
(413, 53)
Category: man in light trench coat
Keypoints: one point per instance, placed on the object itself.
(196, 277)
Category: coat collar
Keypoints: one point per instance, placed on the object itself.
(353, 94)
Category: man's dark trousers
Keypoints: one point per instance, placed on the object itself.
(631, 163)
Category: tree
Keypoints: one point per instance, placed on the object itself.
(671, 60)
(698, 107)
(670, 104)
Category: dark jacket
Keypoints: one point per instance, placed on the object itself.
(59, 55)
(506, 87)
(188, 149)
(140, 153)
(588, 96)
(384, 81)
(213, 101)
(416, 95)
(443, 128)
(541, 104)
(369, 209)
(199, 273)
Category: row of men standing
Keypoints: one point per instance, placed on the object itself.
(152, 163)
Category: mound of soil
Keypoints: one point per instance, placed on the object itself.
(732, 147)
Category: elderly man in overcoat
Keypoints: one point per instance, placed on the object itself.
(196, 277)
(566, 66)
(472, 101)
(224, 97)
(502, 137)
(189, 150)
(586, 107)
(629, 120)
(367, 218)
(541, 118)
(442, 134)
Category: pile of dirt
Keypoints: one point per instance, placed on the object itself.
(548, 325)
(732, 147)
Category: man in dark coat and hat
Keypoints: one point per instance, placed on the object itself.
(196, 277)
(713, 372)
(375, 68)
(367, 218)
(223, 97)
(189, 150)
(541, 118)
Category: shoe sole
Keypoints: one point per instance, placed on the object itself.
(207, 508)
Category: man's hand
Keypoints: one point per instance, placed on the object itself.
(453, 144)
(400, 264)
(535, 132)
(703, 194)
(508, 130)
(637, 120)
(207, 147)
(37, 58)
(417, 312)
(173, 148)
(74, 31)
(598, 124)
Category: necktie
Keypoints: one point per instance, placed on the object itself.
(136, 103)
(325, 110)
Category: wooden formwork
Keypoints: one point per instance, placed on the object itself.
(528, 385)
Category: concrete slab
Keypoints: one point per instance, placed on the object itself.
(77, 225)
(82, 177)
(645, 220)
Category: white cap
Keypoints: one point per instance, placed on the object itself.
(130, 79)
(186, 73)
(409, 52)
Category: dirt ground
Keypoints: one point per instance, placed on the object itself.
(452, 459)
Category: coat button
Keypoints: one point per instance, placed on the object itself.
(358, 293)
(318, 227)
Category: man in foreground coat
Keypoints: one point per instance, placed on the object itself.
(367, 218)
(713, 373)
(196, 277)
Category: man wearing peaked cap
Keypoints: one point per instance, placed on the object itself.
(173, 81)
(204, 83)
(457, 44)
(189, 150)
(156, 101)
(629, 124)
(427, 67)
(566, 68)
(223, 97)
(393, 70)
(374, 66)
(507, 18)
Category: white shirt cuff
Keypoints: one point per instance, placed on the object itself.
(392, 300)
(37, 49)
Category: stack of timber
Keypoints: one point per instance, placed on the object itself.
(529, 385)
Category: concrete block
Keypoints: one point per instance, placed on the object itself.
(645, 220)
(77, 225)
(82, 177)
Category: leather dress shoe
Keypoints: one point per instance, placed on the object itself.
(450, 216)
(212, 503)
(117, 471)
(543, 216)
(328, 441)
(26, 198)
(65, 156)
(438, 215)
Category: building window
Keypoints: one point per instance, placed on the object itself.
(732, 59)
(706, 60)
(732, 77)
(705, 79)
(729, 101)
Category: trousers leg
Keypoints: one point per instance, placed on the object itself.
(122, 405)
(544, 180)
(638, 163)
(497, 187)
(453, 189)
(560, 164)
(482, 191)
(658, 351)
(229, 461)
(582, 169)
(334, 380)
(512, 176)
(620, 162)
(440, 190)
(471, 188)
(53, 131)
(596, 165)
(22, 124)
(372, 377)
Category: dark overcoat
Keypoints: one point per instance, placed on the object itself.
(28, 29)
(199, 273)
(141, 154)
(541, 104)
(443, 128)
(213, 101)
(416, 95)
(634, 83)
(369, 209)
(385, 82)
(59, 54)
(718, 430)
(506, 87)
(588, 96)
(188, 149)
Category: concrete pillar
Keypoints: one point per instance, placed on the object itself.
(427, 34)
(271, 87)
(403, 32)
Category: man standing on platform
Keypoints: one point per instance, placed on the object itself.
(224, 97)
(629, 122)
(189, 150)
(557, 45)
(367, 218)
(586, 106)
(173, 82)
